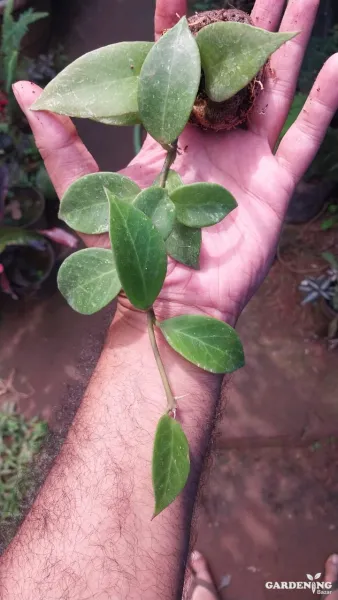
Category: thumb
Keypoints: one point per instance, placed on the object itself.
(167, 13)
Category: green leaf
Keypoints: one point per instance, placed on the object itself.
(11, 38)
(84, 206)
(184, 245)
(331, 259)
(171, 462)
(173, 181)
(16, 236)
(169, 82)
(233, 53)
(88, 280)
(139, 251)
(156, 204)
(208, 343)
(329, 223)
(202, 204)
(101, 85)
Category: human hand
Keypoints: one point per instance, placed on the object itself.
(237, 253)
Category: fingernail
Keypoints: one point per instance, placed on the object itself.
(334, 559)
(196, 555)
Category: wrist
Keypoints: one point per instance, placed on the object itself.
(197, 392)
(165, 308)
(129, 331)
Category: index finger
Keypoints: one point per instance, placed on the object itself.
(267, 14)
(167, 14)
(65, 156)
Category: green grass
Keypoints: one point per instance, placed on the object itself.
(20, 441)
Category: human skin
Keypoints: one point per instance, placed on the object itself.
(89, 533)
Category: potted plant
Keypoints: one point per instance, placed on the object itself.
(28, 246)
(28, 250)
(325, 290)
(198, 71)
(18, 4)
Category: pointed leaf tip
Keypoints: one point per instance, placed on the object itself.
(233, 53)
(171, 462)
(100, 85)
(139, 251)
(209, 343)
(169, 82)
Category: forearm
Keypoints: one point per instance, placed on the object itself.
(90, 532)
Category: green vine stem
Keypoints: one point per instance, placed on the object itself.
(151, 319)
(169, 160)
(171, 402)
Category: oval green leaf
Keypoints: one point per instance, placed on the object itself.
(169, 82)
(206, 342)
(233, 53)
(139, 251)
(156, 204)
(88, 280)
(84, 206)
(173, 181)
(184, 245)
(171, 462)
(99, 85)
(202, 204)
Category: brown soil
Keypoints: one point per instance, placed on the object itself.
(269, 514)
(226, 115)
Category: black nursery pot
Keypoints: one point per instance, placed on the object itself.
(31, 205)
(27, 267)
(308, 200)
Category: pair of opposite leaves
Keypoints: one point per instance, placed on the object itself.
(92, 277)
(144, 228)
(156, 84)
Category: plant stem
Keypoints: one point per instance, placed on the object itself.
(171, 402)
(169, 160)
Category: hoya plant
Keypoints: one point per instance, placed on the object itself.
(194, 72)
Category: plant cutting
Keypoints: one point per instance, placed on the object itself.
(17, 148)
(209, 71)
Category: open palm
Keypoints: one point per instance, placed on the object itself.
(237, 253)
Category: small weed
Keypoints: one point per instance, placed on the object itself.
(20, 441)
